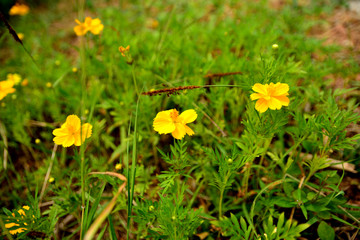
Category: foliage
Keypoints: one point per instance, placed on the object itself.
(280, 174)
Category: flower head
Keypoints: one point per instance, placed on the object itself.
(124, 50)
(80, 29)
(16, 78)
(171, 122)
(272, 96)
(6, 87)
(92, 25)
(72, 132)
(21, 36)
(152, 23)
(19, 9)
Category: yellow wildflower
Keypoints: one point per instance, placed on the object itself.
(118, 166)
(10, 225)
(26, 207)
(19, 9)
(74, 69)
(25, 82)
(152, 23)
(21, 212)
(71, 132)
(92, 25)
(16, 78)
(51, 179)
(171, 122)
(6, 87)
(49, 84)
(80, 29)
(272, 96)
(37, 141)
(124, 50)
(21, 36)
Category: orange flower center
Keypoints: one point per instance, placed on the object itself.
(72, 130)
(174, 114)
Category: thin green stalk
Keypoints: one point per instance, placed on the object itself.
(220, 202)
(131, 178)
(83, 100)
(134, 79)
(128, 182)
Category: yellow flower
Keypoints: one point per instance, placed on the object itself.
(272, 96)
(152, 23)
(51, 179)
(92, 25)
(171, 122)
(70, 133)
(21, 212)
(10, 225)
(80, 29)
(19, 9)
(6, 87)
(26, 207)
(21, 36)
(25, 82)
(74, 69)
(118, 166)
(16, 78)
(124, 50)
(16, 231)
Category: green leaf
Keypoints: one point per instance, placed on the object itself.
(325, 231)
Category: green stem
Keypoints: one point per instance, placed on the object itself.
(134, 79)
(220, 202)
(83, 99)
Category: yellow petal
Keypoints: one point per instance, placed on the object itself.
(255, 96)
(80, 30)
(86, 130)
(280, 89)
(10, 225)
(283, 100)
(188, 116)
(86, 133)
(261, 105)
(73, 121)
(60, 132)
(179, 132)
(65, 141)
(96, 29)
(260, 88)
(21, 212)
(26, 207)
(274, 104)
(16, 231)
(6, 84)
(189, 131)
(88, 21)
(163, 123)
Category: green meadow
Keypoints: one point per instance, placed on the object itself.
(179, 120)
